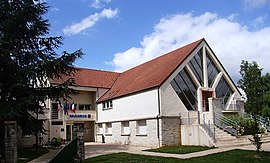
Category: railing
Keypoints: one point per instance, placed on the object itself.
(66, 154)
(264, 122)
(233, 107)
(209, 128)
(189, 118)
(226, 124)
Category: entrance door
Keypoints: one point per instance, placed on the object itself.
(68, 132)
(205, 102)
(89, 132)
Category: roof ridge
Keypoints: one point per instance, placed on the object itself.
(84, 68)
(164, 54)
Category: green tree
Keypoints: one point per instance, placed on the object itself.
(266, 95)
(27, 60)
(252, 84)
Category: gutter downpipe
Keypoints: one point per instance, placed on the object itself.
(158, 116)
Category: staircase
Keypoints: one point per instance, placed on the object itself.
(223, 133)
(223, 139)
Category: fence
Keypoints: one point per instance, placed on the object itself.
(66, 154)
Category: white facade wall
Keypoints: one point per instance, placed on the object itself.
(133, 108)
(138, 106)
(150, 139)
(171, 105)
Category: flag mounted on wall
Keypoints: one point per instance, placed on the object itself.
(66, 108)
(59, 106)
(73, 108)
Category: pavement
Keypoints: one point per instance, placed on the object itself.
(44, 158)
(96, 149)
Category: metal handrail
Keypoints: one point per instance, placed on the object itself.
(226, 124)
(264, 122)
(207, 127)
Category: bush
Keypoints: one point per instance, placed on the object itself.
(243, 122)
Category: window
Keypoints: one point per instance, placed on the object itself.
(107, 104)
(108, 128)
(141, 127)
(223, 90)
(54, 113)
(85, 107)
(196, 66)
(68, 106)
(100, 128)
(125, 128)
(212, 70)
(185, 89)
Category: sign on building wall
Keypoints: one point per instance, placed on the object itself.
(80, 116)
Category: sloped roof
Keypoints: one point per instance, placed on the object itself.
(150, 74)
(90, 78)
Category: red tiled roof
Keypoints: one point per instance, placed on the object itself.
(91, 78)
(150, 74)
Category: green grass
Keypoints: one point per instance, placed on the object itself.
(232, 156)
(180, 149)
(30, 153)
(130, 158)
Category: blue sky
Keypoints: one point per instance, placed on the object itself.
(116, 35)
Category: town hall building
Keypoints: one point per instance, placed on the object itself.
(161, 102)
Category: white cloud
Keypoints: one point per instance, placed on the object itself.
(253, 4)
(231, 41)
(99, 3)
(89, 21)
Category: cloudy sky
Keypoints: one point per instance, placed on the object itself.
(116, 35)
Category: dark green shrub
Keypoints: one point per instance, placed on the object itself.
(243, 122)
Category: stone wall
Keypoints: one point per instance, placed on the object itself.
(10, 141)
(170, 131)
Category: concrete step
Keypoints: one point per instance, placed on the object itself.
(233, 142)
(223, 134)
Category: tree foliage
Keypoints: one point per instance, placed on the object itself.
(253, 85)
(27, 60)
(266, 95)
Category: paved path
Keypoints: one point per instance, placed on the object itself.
(44, 158)
(96, 149)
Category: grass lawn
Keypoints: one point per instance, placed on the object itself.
(180, 149)
(232, 156)
(30, 153)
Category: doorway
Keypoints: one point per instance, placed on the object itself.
(68, 132)
(205, 102)
(89, 132)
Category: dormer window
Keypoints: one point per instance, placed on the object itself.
(107, 104)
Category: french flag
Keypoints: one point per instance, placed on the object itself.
(73, 107)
